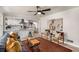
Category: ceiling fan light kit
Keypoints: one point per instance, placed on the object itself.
(39, 13)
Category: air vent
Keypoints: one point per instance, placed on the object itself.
(71, 41)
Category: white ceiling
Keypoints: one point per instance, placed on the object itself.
(22, 10)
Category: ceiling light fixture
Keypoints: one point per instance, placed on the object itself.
(39, 13)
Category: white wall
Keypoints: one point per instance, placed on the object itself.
(1, 24)
(70, 24)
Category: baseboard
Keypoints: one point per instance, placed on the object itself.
(72, 44)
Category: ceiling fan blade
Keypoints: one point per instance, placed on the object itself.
(46, 9)
(43, 13)
(31, 11)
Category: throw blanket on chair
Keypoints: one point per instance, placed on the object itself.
(12, 43)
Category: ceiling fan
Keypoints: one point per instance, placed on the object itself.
(40, 11)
